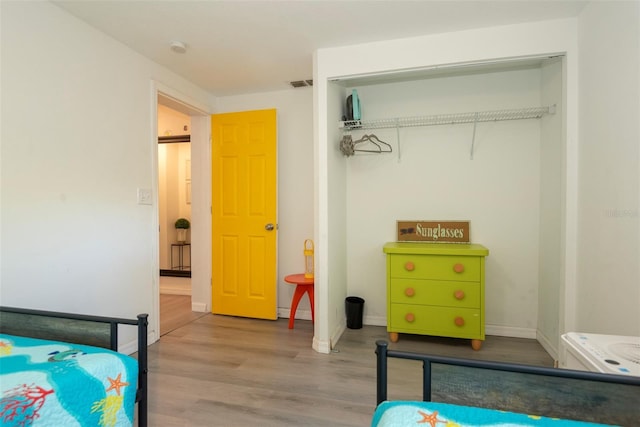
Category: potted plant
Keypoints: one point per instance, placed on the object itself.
(182, 225)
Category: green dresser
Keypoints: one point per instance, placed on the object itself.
(436, 289)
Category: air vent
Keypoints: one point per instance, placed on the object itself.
(301, 83)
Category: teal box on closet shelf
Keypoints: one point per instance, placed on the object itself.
(353, 106)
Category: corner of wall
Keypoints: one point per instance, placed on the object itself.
(548, 345)
(321, 346)
(337, 334)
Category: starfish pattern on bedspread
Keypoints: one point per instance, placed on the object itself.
(431, 418)
(117, 383)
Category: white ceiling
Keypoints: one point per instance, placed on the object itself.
(237, 46)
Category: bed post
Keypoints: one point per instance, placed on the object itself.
(381, 365)
(426, 380)
(114, 336)
(142, 370)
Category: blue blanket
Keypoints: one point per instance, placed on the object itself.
(49, 383)
(404, 413)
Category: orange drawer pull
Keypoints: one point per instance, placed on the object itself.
(458, 268)
(409, 292)
(409, 266)
(410, 317)
(459, 321)
(459, 294)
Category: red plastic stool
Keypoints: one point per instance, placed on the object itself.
(303, 285)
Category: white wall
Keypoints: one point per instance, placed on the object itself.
(413, 53)
(201, 213)
(435, 179)
(174, 161)
(552, 197)
(77, 141)
(608, 297)
(295, 179)
(337, 265)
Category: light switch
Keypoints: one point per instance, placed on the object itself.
(144, 196)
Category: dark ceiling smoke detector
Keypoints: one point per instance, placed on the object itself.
(301, 83)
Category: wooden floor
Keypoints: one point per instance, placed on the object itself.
(175, 311)
(226, 371)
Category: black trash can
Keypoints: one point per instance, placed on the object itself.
(354, 307)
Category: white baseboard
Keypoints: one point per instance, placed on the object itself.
(498, 330)
(375, 321)
(509, 331)
(321, 346)
(132, 346)
(337, 333)
(283, 313)
(128, 348)
(548, 346)
(200, 307)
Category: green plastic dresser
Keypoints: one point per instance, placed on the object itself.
(436, 289)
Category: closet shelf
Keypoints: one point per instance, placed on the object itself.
(447, 119)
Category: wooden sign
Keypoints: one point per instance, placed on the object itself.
(434, 231)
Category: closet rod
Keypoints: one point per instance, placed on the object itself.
(447, 119)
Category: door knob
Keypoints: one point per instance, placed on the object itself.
(269, 227)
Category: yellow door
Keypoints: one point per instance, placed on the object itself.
(244, 214)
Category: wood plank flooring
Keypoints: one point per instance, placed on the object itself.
(175, 311)
(227, 371)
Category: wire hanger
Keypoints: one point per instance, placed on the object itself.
(382, 147)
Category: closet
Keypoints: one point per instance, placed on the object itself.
(482, 144)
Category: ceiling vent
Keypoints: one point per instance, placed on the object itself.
(301, 83)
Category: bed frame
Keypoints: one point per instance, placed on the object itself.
(96, 331)
(383, 353)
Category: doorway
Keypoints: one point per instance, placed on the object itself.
(174, 192)
(181, 146)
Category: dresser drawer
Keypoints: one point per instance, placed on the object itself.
(432, 292)
(438, 267)
(442, 321)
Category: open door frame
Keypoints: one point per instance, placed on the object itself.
(200, 199)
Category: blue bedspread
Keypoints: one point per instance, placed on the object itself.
(404, 413)
(49, 383)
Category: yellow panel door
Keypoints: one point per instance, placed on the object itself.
(244, 214)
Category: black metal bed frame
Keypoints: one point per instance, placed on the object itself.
(383, 352)
(77, 329)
